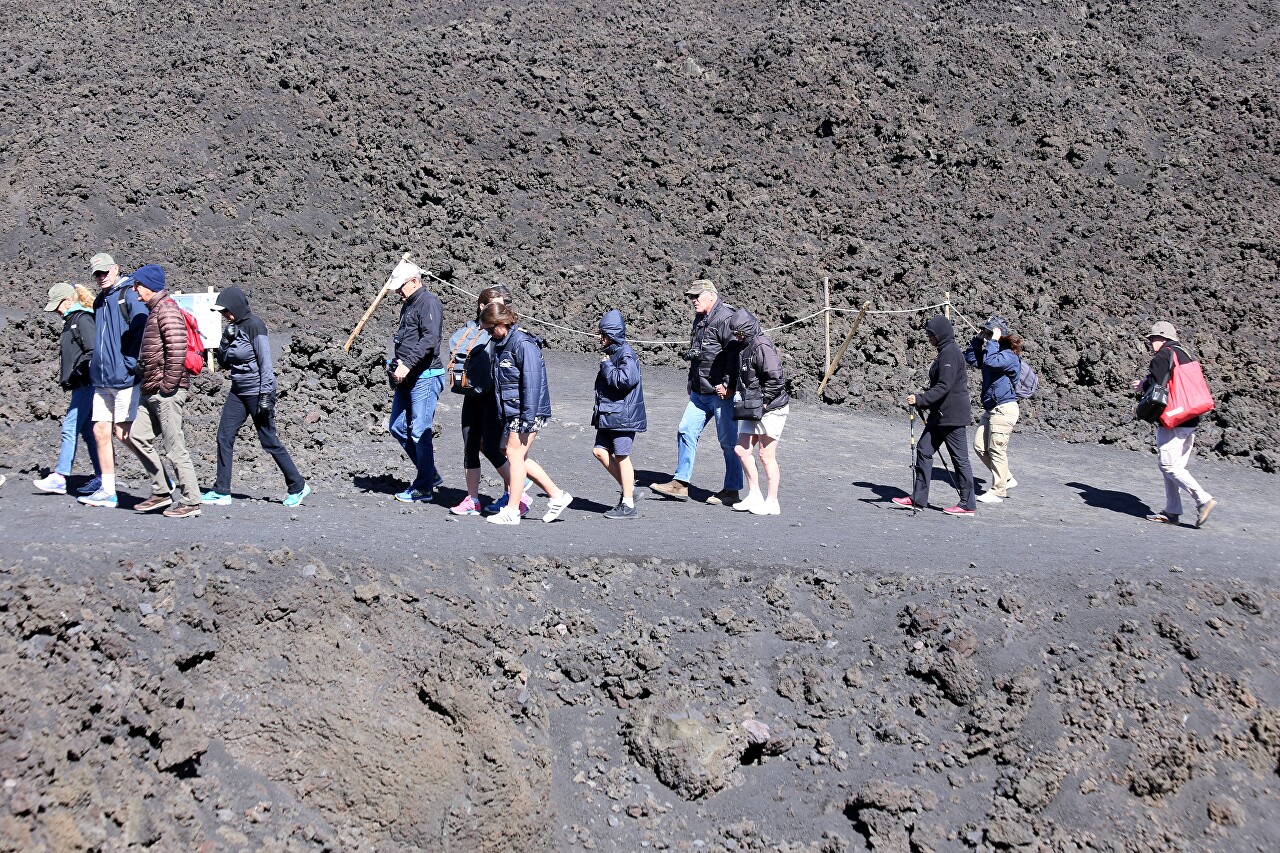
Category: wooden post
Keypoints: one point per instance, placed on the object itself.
(946, 304)
(826, 315)
(866, 306)
(208, 353)
(372, 307)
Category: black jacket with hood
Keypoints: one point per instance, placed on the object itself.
(76, 348)
(245, 349)
(947, 397)
(708, 363)
(417, 340)
(755, 368)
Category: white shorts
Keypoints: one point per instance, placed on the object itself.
(771, 424)
(116, 405)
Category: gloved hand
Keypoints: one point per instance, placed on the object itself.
(266, 404)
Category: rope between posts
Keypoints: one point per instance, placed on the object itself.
(682, 341)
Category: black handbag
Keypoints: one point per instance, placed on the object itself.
(1152, 404)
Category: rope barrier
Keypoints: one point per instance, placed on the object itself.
(683, 341)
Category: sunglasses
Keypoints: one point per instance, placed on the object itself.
(100, 273)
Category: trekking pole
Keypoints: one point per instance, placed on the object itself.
(911, 461)
(373, 307)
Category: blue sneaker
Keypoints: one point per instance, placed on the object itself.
(295, 498)
(409, 496)
(100, 498)
(215, 498)
(438, 483)
(496, 506)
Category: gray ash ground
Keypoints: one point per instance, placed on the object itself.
(1082, 168)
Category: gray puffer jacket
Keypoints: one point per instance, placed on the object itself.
(245, 349)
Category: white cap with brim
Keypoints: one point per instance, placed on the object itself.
(403, 273)
(1163, 329)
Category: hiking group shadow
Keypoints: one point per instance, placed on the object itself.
(1121, 502)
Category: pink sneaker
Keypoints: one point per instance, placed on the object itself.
(903, 502)
(469, 506)
(525, 503)
(959, 512)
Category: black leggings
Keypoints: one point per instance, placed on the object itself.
(235, 411)
(481, 433)
(932, 440)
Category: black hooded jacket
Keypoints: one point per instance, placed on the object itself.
(245, 349)
(417, 339)
(755, 368)
(947, 397)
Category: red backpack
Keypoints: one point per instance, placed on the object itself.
(194, 360)
(1188, 393)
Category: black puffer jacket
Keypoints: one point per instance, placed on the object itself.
(947, 397)
(417, 340)
(756, 374)
(708, 362)
(245, 350)
(76, 348)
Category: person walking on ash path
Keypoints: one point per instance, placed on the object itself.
(706, 355)
(417, 376)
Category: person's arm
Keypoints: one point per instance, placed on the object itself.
(131, 340)
(772, 378)
(624, 375)
(173, 344)
(532, 375)
(262, 354)
(937, 392)
(1001, 359)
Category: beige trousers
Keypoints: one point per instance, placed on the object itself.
(160, 422)
(1176, 447)
(991, 443)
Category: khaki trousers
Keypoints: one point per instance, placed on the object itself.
(991, 443)
(162, 417)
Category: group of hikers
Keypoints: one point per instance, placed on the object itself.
(125, 359)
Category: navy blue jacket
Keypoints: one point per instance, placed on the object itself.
(947, 397)
(999, 371)
(117, 340)
(619, 393)
(520, 378)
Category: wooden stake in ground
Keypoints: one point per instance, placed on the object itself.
(946, 304)
(826, 302)
(866, 306)
(372, 307)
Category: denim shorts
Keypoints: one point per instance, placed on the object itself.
(616, 441)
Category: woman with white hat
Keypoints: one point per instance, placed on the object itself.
(75, 303)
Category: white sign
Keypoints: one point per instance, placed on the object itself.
(210, 321)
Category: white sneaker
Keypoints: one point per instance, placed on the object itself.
(506, 515)
(749, 503)
(54, 484)
(766, 507)
(1010, 483)
(555, 506)
(989, 498)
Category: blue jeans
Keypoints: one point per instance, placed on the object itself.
(78, 423)
(701, 409)
(413, 409)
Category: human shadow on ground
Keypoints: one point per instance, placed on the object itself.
(383, 484)
(1121, 502)
(884, 494)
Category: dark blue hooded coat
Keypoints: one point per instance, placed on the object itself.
(619, 393)
(520, 378)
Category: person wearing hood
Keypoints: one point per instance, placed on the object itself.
(619, 411)
(947, 402)
(165, 380)
(245, 353)
(75, 303)
(997, 352)
(758, 388)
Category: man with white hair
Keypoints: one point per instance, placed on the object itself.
(417, 377)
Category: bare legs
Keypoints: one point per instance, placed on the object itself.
(621, 470)
(519, 465)
(768, 458)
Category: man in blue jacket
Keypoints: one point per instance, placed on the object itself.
(120, 317)
(417, 376)
(947, 401)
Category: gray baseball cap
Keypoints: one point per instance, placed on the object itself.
(60, 291)
(101, 262)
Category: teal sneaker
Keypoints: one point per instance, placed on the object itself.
(295, 498)
(215, 498)
(409, 496)
(101, 498)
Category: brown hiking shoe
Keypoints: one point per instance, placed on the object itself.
(182, 511)
(677, 489)
(153, 503)
(724, 497)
